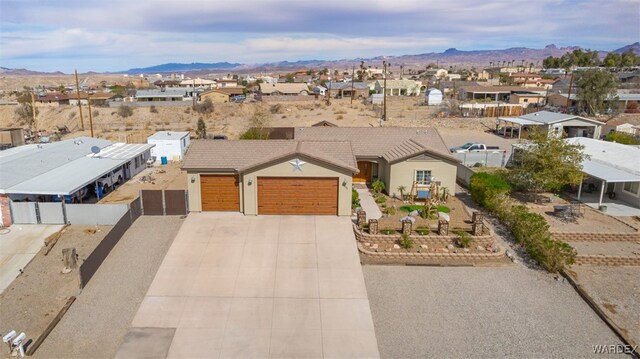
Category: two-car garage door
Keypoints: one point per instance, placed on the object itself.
(297, 195)
(276, 195)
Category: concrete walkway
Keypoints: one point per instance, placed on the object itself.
(257, 287)
(18, 247)
(369, 204)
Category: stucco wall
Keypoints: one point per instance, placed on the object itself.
(403, 173)
(193, 188)
(284, 169)
(626, 196)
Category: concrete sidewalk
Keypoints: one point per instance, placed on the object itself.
(18, 247)
(369, 204)
(234, 286)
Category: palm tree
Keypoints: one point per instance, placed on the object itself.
(401, 189)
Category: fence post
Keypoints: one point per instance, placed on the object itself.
(164, 205)
(406, 226)
(37, 209)
(141, 204)
(362, 218)
(373, 226)
(443, 227)
(64, 213)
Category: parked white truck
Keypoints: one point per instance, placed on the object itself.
(109, 182)
(473, 147)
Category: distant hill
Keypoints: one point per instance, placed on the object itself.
(176, 67)
(635, 47)
(24, 72)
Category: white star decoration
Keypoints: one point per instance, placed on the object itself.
(297, 164)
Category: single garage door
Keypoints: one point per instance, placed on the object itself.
(220, 193)
(286, 195)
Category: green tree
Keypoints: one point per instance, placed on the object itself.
(377, 186)
(258, 125)
(612, 60)
(201, 130)
(547, 164)
(594, 87)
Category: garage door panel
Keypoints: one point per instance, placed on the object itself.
(220, 193)
(281, 195)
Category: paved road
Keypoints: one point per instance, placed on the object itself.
(503, 312)
(98, 320)
(257, 287)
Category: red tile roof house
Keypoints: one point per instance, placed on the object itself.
(314, 172)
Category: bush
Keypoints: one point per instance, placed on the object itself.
(377, 186)
(380, 199)
(464, 239)
(276, 108)
(623, 138)
(484, 184)
(390, 211)
(529, 229)
(204, 107)
(423, 231)
(255, 134)
(153, 109)
(406, 242)
(355, 199)
(125, 111)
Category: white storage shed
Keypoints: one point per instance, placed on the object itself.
(170, 144)
(433, 97)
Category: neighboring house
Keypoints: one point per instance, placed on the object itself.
(286, 89)
(399, 87)
(437, 74)
(555, 123)
(494, 93)
(624, 102)
(198, 82)
(98, 99)
(170, 144)
(226, 82)
(46, 172)
(453, 77)
(343, 89)
(520, 78)
(433, 97)
(313, 173)
(53, 99)
(221, 95)
(526, 98)
(324, 123)
(615, 169)
(621, 126)
(164, 94)
(167, 83)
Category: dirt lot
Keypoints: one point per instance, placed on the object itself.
(35, 297)
(617, 291)
(158, 177)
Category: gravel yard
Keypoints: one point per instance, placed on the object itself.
(34, 298)
(592, 220)
(617, 291)
(495, 312)
(625, 249)
(97, 322)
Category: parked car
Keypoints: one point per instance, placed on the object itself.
(470, 147)
(239, 98)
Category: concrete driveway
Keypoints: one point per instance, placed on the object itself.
(256, 287)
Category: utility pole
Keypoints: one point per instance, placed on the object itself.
(33, 111)
(79, 101)
(384, 97)
(353, 75)
(569, 95)
(193, 95)
(90, 114)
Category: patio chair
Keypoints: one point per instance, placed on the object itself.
(576, 209)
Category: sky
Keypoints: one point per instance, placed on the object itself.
(116, 35)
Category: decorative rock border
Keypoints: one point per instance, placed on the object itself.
(595, 236)
(361, 236)
(600, 260)
(407, 255)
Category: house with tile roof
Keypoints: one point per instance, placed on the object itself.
(314, 172)
(286, 89)
(403, 87)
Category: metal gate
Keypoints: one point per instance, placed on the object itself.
(164, 202)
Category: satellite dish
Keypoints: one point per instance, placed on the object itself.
(95, 150)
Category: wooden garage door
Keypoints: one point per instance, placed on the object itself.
(220, 193)
(286, 195)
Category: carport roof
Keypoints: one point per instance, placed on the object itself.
(243, 155)
(609, 161)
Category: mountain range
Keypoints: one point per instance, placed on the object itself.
(450, 57)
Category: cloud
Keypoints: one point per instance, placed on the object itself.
(119, 34)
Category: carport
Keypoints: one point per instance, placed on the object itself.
(520, 122)
(605, 174)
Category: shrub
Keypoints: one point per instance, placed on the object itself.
(96, 113)
(387, 231)
(255, 134)
(380, 199)
(390, 211)
(355, 199)
(153, 109)
(276, 108)
(464, 239)
(622, 137)
(406, 242)
(377, 186)
(204, 107)
(484, 184)
(423, 231)
(125, 111)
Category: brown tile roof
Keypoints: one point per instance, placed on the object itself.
(391, 142)
(53, 97)
(226, 90)
(283, 88)
(243, 155)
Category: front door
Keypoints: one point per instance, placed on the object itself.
(364, 175)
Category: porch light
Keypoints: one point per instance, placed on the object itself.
(344, 183)
(250, 182)
(193, 179)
